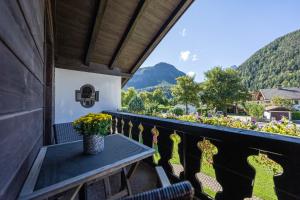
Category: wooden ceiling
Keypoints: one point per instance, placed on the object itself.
(111, 36)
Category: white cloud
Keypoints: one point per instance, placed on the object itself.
(191, 74)
(195, 57)
(184, 55)
(183, 32)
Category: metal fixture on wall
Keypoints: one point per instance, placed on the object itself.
(87, 96)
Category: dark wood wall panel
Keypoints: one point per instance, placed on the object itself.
(22, 90)
(19, 89)
(14, 31)
(35, 21)
(18, 134)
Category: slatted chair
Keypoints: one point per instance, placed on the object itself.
(65, 132)
(179, 191)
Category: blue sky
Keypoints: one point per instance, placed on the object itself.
(224, 32)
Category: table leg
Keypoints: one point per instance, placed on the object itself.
(107, 187)
(71, 194)
(83, 192)
(132, 169)
(125, 181)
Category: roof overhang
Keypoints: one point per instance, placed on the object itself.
(112, 36)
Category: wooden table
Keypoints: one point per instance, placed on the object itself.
(63, 168)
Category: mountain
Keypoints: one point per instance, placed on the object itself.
(276, 63)
(161, 74)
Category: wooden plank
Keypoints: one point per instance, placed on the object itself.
(19, 134)
(94, 67)
(49, 77)
(129, 30)
(19, 89)
(19, 178)
(20, 42)
(35, 21)
(176, 14)
(74, 24)
(96, 29)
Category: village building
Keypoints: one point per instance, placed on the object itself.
(266, 95)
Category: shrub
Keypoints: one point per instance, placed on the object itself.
(255, 110)
(151, 108)
(163, 109)
(177, 111)
(296, 115)
(136, 105)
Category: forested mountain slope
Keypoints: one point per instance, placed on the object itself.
(276, 63)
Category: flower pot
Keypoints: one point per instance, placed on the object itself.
(93, 144)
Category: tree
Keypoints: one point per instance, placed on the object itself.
(279, 101)
(128, 95)
(146, 96)
(186, 91)
(159, 97)
(223, 87)
(136, 104)
(255, 110)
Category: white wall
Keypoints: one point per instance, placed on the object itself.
(67, 81)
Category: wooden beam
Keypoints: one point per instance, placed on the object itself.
(172, 19)
(94, 68)
(128, 31)
(96, 29)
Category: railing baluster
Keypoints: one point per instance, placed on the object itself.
(233, 171)
(116, 125)
(192, 161)
(231, 166)
(155, 134)
(122, 126)
(287, 185)
(130, 129)
(141, 130)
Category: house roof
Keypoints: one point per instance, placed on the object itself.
(276, 108)
(111, 36)
(286, 93)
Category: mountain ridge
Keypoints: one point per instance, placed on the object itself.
(161, 74)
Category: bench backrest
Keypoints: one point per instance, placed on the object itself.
(65, 132)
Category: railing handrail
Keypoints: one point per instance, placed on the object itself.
(275, 143)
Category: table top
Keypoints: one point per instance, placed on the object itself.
(65, 165)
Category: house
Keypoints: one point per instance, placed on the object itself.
(61, 59)
(277, 112)
(266, 95)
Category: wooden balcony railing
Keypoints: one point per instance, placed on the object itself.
(232, 170)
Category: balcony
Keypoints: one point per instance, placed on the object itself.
(50, 49)
(234, 176)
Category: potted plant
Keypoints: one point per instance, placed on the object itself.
(93, 127)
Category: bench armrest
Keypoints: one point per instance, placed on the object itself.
(162, 177)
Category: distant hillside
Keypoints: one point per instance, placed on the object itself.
(161, 74)
(276, 63)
